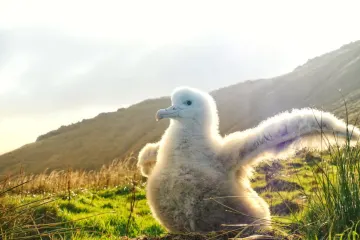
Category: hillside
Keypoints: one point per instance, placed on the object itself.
(93, 142)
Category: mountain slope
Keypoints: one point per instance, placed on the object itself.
(93, 142)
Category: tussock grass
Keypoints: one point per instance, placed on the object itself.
(333, 209)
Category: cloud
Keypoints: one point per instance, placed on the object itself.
(45, 71)
(44, 68)
(55, 57)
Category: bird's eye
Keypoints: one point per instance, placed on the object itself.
(188, 102)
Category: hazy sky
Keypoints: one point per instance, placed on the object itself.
(62, 61)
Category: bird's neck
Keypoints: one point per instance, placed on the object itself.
(186, 144)
(192, 130)
(191, 136)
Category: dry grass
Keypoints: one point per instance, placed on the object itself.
(111, 175)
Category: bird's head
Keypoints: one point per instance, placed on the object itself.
(191, 107)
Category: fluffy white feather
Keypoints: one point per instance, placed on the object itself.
(147, 158)
(285, 133)
(195, 176)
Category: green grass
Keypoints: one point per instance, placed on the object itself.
(333, 211)
(97, 214)
(321, 201)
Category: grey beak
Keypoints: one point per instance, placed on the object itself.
(170, 112)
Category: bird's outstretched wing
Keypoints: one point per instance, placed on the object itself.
(286, 132)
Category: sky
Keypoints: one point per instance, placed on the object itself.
(63, 61)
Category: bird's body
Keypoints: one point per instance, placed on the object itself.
(198, 180)
(191, 178)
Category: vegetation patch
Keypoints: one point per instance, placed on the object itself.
(311, 196)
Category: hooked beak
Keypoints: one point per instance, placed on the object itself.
(170, 112)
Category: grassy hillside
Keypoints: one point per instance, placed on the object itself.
(91, 143)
